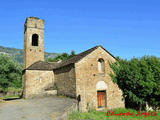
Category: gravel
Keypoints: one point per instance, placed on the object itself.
(46, 108)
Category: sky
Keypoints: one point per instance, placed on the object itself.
(126, 28)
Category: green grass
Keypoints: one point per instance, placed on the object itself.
(13, 93)
(12, 89)
(96, 115)
(10, 96)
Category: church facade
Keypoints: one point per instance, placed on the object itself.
(84, 77)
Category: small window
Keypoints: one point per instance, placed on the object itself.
(101, 66)
(35, 40)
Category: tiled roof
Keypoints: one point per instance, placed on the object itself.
(40, 65)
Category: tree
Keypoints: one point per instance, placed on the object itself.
(139, 79)
(154, 97)
(62, 57)
(10, 73)
(72, 53)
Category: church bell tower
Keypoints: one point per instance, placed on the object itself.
(33, 41)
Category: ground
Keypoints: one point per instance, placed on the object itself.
(47, 108)
(106, 115)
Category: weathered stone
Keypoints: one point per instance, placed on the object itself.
(87, 77)
(32, 53)
(36, 81)
(80, 77)
(50, 92)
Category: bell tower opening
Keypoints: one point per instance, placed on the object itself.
(35, 40)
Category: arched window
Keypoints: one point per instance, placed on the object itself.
(101, 65)
(35, 40)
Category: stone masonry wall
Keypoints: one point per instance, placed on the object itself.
(33, 54)
(65, 80)
(87, 76)
(36, 81)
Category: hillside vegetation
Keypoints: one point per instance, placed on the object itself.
(17, 54)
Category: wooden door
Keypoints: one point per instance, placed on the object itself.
(101, 98)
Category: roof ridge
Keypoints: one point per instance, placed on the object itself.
(77, 57)
(54, 65)
(81, 53)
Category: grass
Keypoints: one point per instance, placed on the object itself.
(13, 93)
(12, 89)
(97, 115)
(10, 96)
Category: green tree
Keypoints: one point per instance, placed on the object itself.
(72, 53)
(10, 73)
(62, 57)
(139, 80)
(154, 65)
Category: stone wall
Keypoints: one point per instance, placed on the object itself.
(87, 77)
(69, 110)
(35, 82)
(65, 80)
(33, 54)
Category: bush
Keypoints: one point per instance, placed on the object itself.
(64, 56)
(10, 73)
(139, 81)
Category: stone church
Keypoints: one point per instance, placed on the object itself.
(84, 77)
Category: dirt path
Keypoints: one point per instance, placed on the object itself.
(34, 109)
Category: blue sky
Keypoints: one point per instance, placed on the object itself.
(126, 28)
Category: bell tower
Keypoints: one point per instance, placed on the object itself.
(33, 41)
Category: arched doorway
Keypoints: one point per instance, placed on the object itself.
(101, 94)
